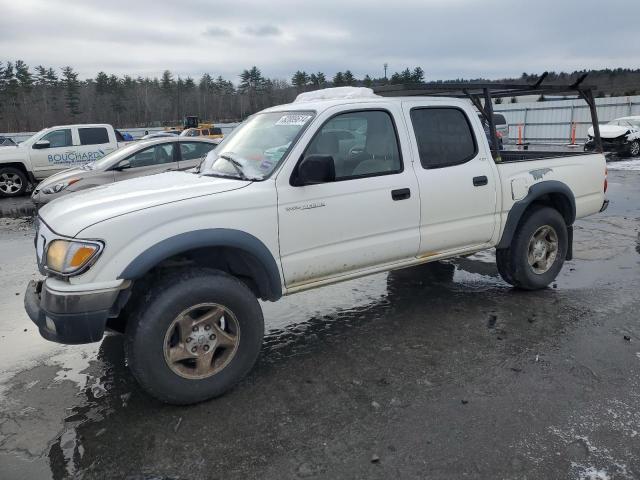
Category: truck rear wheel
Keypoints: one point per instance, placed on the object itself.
(197, 334)
(537, 250)
(13, 182)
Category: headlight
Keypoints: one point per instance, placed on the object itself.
(69, 256)
(58, 187)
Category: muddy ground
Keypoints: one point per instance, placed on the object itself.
(440, 372)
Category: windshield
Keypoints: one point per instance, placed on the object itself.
(255, 148)
(626, 122)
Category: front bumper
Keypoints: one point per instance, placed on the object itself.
(619, 146)
(69, 317)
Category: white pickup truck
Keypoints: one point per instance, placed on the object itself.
(298, 196)
(52, 150)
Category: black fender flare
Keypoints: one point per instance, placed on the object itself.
(536, 191)
(270, 284)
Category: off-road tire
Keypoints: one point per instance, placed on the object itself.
(512, 262)
(165, 300)
(18, 178)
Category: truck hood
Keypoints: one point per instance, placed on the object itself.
(610, 131)
(11, 152)
(70, 214)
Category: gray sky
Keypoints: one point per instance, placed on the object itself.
(447, 38)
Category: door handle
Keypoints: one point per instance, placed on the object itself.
(479, 181)
(401, 194)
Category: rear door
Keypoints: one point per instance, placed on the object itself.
(96, 142)
(192, 153)
(368, 217)
(161, 157)
(456, 176)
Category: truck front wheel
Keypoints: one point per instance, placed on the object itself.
(537, 250)
(13, 182)
(194, 336)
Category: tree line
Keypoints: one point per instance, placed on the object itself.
(33, 98)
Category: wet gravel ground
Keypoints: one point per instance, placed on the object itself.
(440, 371)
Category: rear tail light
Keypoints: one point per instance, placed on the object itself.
(606, 173)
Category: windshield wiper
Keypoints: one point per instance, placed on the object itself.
(235, 163)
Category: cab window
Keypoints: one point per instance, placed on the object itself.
(59, 138)
(444, 136)
(93, 136)
(362, 143)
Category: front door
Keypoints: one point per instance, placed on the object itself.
(58, 156)
(456, 176)
(368, 217)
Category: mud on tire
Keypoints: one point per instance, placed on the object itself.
(530, 262)
(152, 335)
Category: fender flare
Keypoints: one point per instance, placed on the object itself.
(20, 164)
(536, 191)
(271, 283)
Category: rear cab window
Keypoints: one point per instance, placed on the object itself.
(93, 136)
(444, 136)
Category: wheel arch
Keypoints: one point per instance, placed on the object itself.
(235, 250)
(551, 193)
(20, 166)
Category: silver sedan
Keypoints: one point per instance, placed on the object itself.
(138, 159)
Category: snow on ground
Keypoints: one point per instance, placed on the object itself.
(624, 165)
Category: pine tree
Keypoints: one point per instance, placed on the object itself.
(349, 78)
(71, 87)
(300, 80)
(417, 76)
(338, 80)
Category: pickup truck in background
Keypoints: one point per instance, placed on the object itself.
(52, 150)
(331, 187)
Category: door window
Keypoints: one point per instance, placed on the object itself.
(444, 137)
(59, 138)
(362, 144)
(195, 150)
(156, 155)
(93, 136)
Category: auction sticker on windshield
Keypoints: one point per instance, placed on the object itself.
(293, 119)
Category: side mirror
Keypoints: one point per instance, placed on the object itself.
(40, 144)
(123, 165)
(314, 169)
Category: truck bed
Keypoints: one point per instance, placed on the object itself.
(509, 156)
